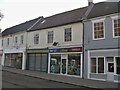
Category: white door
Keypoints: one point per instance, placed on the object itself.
(110, 71)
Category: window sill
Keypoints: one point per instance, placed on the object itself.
(116, 36)
(98, 73)
(99, 39)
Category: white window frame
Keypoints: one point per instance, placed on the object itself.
(50, 37)
(97, 21)
(8, 41)
(22, 39)
(114, 18)
(2, 43)
(35, 38)
(71, 34)
(16, 39)
(97, 64)
(115, 66)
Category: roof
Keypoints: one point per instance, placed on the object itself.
(61, 19)
(20, 27)
(104, 8)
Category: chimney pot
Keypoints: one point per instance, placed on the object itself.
(90, 2)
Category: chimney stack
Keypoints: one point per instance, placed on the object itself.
(90, 2)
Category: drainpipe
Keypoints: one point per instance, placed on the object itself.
(90, 2)
(84, 18)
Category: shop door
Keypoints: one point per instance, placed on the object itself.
(110, 71)
(64, 64)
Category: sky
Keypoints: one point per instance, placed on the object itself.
(19, 11)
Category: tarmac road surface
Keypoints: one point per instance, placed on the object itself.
(13, 80)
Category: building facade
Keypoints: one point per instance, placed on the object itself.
(56, 44)
(14, 50)
(1, 50)
(101, 42)
(14, 44)
(66, 57)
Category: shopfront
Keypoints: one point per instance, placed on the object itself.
(13, 60)
(104, 65)
(66, 61)
(37, 59)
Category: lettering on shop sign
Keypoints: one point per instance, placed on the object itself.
(73, 49)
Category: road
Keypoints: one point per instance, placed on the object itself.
(12, 80)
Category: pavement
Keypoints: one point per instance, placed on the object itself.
(65, 79)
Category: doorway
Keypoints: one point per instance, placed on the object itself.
(110, 69)
(64, 64)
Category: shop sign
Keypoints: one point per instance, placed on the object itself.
(37, 50)
(73, 49)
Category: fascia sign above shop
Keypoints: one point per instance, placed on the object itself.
(73, 49)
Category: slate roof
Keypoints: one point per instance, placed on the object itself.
(104, 8)
(61, 19)
(20, 27)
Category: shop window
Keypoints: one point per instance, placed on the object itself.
(74, 64)
(100, 65)
(97, 65)
(55, 63)
(118, 65)
(7, 60)
(93, 65)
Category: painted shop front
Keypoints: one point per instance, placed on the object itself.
(104, 65)
(37, 60)
(15, 57)
(65, 61)
(13, 60)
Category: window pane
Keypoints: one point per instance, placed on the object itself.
(93, 65)
(98, 30)
(74, 65)
(68, 34)
(100, 65)
(21, 39)
(8, 41)
(117, 27)
(15, 39)
(36, 39)
(55, 63)
(50, 37)
(118, 64)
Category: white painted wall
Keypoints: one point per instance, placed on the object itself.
(12, 43)
(77, 34)
(12, 47)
